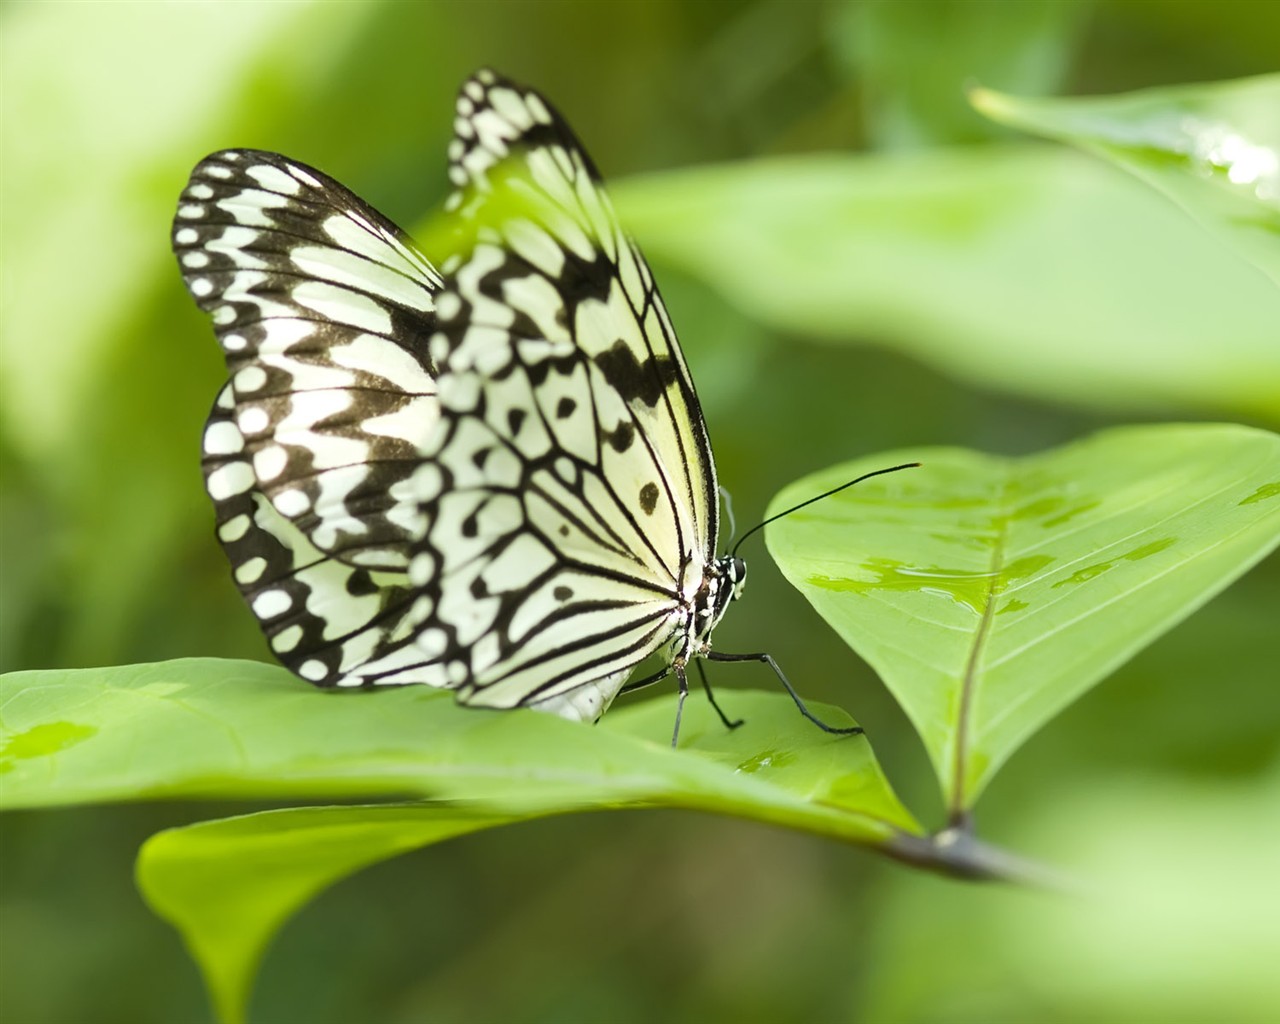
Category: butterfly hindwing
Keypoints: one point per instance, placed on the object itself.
(330, 622)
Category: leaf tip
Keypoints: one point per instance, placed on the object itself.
(979, 96)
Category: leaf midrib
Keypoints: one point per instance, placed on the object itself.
(969, 679)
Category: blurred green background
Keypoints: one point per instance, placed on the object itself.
(994, 293)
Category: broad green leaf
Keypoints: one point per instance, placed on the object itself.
(228, 886)
(1033, 269)
(1213, 149)
(205, 728)
(990, 592)
(227, 729)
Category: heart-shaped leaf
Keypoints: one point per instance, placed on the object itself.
(1213, 149)
(990, 592)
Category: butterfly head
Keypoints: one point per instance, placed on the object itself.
(722, 585)
(733, 573)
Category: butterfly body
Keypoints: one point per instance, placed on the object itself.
(493, 478)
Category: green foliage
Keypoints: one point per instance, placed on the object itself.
(990, 592)
(229, 729)
(1213, 149)
(1137, 839)
(229, 885)
(244, 730)
(962, 560)
(912, 94)
(976, 261)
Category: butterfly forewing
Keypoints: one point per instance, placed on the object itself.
(323, 308)
(568, 269)
(545, 567)
(573, 461)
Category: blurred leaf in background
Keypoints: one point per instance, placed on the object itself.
(1213, 149)
(978, 262)
(908, 82)
(999, 295)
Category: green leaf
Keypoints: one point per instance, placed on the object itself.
(227, 729)
(206, 728)
(1034, 269)
(228, 886)
(990, 592)
(1213, 149)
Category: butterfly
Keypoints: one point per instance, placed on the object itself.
(494, 477)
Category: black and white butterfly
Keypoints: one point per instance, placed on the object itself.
(494, 478)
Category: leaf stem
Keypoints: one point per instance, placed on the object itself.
(957, 853)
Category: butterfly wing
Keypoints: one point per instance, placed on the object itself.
(323, 308)
(522, 176)
(543, 461)
(571, 504)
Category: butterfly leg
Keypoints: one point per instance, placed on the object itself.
(702, 674)
(640, 684)
(852, 730)
(678, 667)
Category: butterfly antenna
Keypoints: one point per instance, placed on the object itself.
(818, 497)
(727, 500)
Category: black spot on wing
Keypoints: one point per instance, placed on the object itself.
(649, 498)
(360, 583)
(620, 439)
(632, 379)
